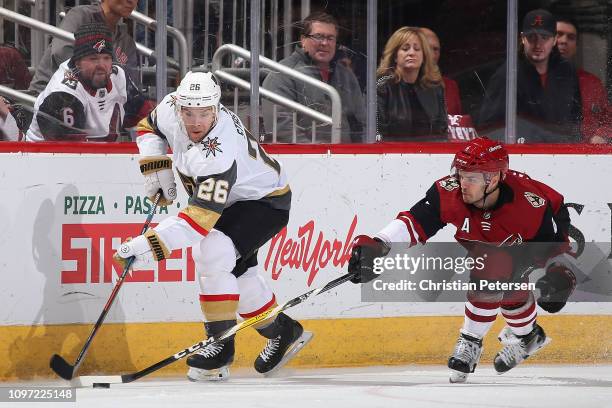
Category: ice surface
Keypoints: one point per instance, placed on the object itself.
(554, 386)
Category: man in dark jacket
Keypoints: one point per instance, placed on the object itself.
(548, 96)
(316, 57)
(109, 12)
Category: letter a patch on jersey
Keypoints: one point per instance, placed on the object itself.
(449, 184)
(466, 225)
(534, 200)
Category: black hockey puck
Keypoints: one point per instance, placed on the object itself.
(101, 385)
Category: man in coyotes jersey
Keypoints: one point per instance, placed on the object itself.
(85, 98)
(67, 110)
(495, 212)
(239, 199)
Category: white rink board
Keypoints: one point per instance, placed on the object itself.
(330, 192)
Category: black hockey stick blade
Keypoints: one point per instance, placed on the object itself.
(59, 364)
(61, 367)
(126, 378)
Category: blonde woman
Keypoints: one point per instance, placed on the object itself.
(410, 90)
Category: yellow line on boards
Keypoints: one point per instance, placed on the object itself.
(122, 348)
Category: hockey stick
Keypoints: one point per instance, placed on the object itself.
(58, 364)
(126, 378)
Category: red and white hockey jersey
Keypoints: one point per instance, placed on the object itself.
(526, 211)
(67, 110)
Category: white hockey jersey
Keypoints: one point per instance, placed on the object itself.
(66, 110)
(227, 166)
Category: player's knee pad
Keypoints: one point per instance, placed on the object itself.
(215, 256)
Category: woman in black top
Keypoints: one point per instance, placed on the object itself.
(410, 90)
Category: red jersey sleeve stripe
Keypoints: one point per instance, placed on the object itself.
(193, 224)
(405, 220)
(422, 236)
(145, 132)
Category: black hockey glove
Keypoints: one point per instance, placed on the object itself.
(361, 264)
(555, 286)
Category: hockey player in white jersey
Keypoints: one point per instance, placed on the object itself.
(239, 199)
(85, 98)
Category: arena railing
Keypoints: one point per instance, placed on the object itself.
(65, 35)
(335, 120)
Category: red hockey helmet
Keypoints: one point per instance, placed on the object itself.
(482, 154)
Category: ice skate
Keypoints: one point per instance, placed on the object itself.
(465, 358)
(211, 363)
(286, 337)
(518, 348)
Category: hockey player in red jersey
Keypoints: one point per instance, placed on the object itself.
(497, 211)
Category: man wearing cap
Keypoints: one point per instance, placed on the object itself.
(108, 12)
(85, 98)
(548, 96)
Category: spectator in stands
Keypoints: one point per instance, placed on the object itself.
(13, 74)
(410, 90)
(316, 57)
(13, 68)
(596, 111)
(548, 97)
(109, 12)
(87, 97)
(451, 89)
(9, 131)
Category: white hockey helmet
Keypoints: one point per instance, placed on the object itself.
(198, 90)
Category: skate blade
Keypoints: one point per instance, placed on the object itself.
(200, 375)
(291, 352)
(457, 377)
